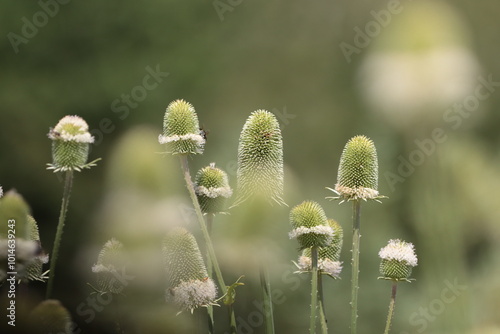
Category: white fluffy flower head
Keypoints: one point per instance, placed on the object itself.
(193, 294)
(320, 229)
(72, 128)
(400, 251)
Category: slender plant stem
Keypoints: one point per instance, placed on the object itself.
(210, 310)
(206, 235)
(322, 313)
(355, 264)
(314, 289)
(68, 184)
(265, 284)
(391, 307)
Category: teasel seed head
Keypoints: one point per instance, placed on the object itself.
(397, 260)
(260, 159)
(50, 316)
(189, 284)
(212, 189)
(34, 269)
(310, 225)
(110, 263)
(181, 129)
(71, 141)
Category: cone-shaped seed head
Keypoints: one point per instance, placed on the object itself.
(190, 286)
(14, 211)
(358, 170)
(110, 262)
(181, 129)
(34, 270)
(260, 158)
(212, 189)
(310, 225)
(70, 144)
(50, 316)
(398, 259)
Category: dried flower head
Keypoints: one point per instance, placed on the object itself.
(398, 259)
(110, 263)
(181, 129)
(212, 189)
(310, 225)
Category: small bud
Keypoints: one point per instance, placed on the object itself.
(260, 159)
(310, 225)
(181, 129)
(50, 316)
(71, 141)
(190, 286)
(110, 262)
(398, 259)
(212, 189)
(358, 171)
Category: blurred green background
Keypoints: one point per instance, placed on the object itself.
(410, 75)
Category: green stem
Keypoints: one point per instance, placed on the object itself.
(314, 289)
(210, 310)
(68, 184)
(322, 313)
(391, 307)
(265, 284)
(355, 264)
(206, 236)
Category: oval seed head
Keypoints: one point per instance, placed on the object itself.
(212, 189)
(71, 140)
(358, 170)
(310, 225)
(190, 286)
(181, 129)
(50, 316)
(34, 270)
(398, 259)
(260, 159)
(110, 262)
(14, 212)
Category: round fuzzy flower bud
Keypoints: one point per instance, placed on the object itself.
(212, 189)
(71, 140)
(110, 262)
(190, 286)
(260, 159)
(358, 170)
(310, 225)
(398, 259)
(50, 316)
(181, 130)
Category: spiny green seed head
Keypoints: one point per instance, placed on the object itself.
(34, 270)
(181, 129)
(110, 262)
(358, 170)
(397, 260)
(14, 211)
(71, 140)
(50, 316)
(260, 158)
(190, 286)
(212, 189)
(310, 225)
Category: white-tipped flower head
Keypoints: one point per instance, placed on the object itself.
(212, 189)
(358, 171)
(181, 129)
(310, 225)
(260, 159)
(190, 286)
(398, 259)
(110, 264)
(34, 270)
(71, 140)
(50, 316)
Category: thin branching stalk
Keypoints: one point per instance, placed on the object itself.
(322, 313)
(206, 235)
(391, 307)
(355, 264)
(265, 284)
(314, 289)
(68, 184)
(210, 310)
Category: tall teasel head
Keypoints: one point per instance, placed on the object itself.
(212, 189)
(34, 270)
(358, 171)
(328, 257)
(310, 225)
(71, 141)
(181, 129)
(110, 263)
(189, 284)
(397, 260)
(260, 159)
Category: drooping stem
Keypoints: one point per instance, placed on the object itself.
(322, 313)
(206, 235)
(391, 307)
(265, 284)
(210, 310)
(314, 289)
(355, 263)
(68, 184)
